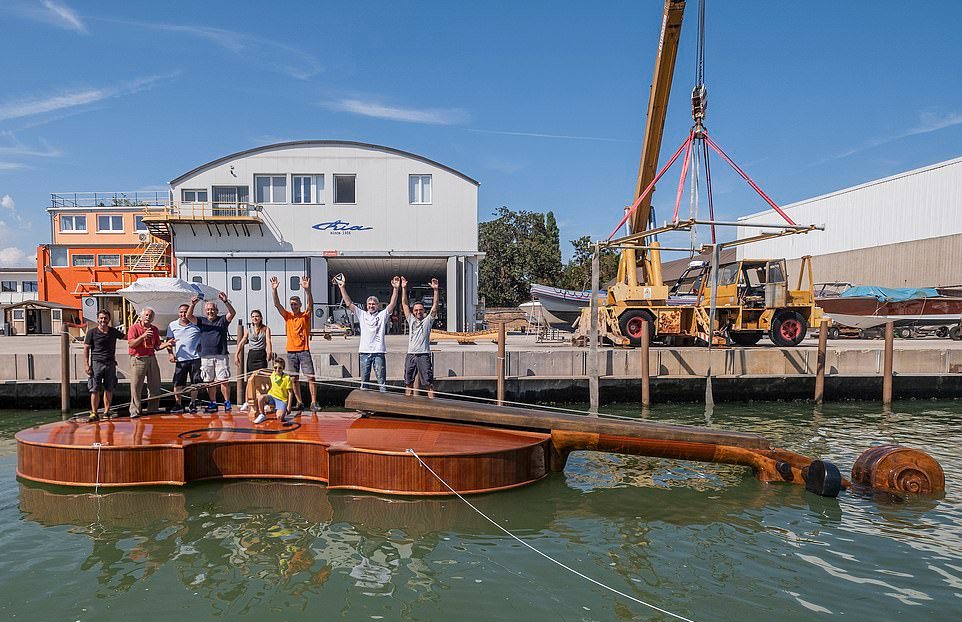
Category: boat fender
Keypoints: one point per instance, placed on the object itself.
(785, 470)
(823, 478)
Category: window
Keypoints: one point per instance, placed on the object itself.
(28, 286)
(295, 283)
(8, 286)
(193, 196)
(256, 283)
(235, 283)
(130, 260)
(58, 256)
(18, 314)
(139, 223)
(56, 314)
(73, 224)
(308, 189)
(419, 189)
(344, 188)
(196, 279)
(270, 188)
(110, 224)
(108, 261)
(83, 261)
(227, 199)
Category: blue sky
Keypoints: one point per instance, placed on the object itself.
(542, 102)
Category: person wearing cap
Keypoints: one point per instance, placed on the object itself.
(373, 322)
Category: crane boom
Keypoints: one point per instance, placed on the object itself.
(658, 107)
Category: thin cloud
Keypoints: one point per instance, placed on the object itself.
(433, 116)
(28, 107)
(255, 50)
(929, 121)
(48, 12)
(11, 166)
(16, 148)
(558, 136)
(13, 257)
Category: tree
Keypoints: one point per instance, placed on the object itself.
(521, 248)
(577, 272)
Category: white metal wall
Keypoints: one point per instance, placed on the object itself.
(915, 205)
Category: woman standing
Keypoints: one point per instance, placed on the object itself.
(257, 338)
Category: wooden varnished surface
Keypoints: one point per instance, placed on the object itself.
(343, 449)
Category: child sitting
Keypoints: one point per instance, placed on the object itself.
(280, 394)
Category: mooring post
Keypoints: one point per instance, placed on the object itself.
(645, 371)
(887, 363)
(241, 366)
(593, 338)
(501, 361)
(64, 372)
(820, 362)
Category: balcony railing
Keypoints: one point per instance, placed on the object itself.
(109, 199)
(204, 211)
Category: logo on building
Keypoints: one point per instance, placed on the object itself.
(340, 227)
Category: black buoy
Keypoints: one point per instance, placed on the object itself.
(823, 478)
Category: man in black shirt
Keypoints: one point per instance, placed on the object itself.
(100, 348)
(214, 361)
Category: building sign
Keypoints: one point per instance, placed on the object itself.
(340, 227)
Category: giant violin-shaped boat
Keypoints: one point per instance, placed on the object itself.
(386, 442)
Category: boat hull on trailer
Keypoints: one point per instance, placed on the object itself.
(561, 307)
(867, 312)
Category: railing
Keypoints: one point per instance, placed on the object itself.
(109, 199)
(204, 211)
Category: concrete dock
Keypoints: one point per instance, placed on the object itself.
(923, 368)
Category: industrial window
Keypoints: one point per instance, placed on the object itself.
(28, 286)
(110, 224)
(307, 189)
(8, 286)
(58, 256)
(231, 194)
(236, 283)
(83, 261)
(139, 223)
(196, 279)
(295, 283)
(270, 188)
(73, 224)
(256, 283)
(345, 188)
(193, 196)
(130, 260)
(419, 189)
(108, 261)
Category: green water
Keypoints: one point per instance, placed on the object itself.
(707, 542)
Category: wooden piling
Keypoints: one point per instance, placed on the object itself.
(501, 362)
(64, 372)
(593, 333)
(887, 363)
(645, 371)
(820, 362)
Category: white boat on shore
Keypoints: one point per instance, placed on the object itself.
(165, 294)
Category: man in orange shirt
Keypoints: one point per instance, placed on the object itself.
(299, 340)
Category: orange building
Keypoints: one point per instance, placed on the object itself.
(99, 244)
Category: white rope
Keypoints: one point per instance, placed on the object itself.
(542, 554)
(97, 481)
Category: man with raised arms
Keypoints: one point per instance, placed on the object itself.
(373, 321)
(418, 359)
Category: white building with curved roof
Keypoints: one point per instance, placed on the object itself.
(322, 207)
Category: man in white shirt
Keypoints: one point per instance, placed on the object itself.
(373, 321)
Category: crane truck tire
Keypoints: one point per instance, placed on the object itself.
(788, 328)
(630, 323)
(746, 337)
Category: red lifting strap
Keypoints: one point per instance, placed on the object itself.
(664, 169)
(745, 176)
(681, 180)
